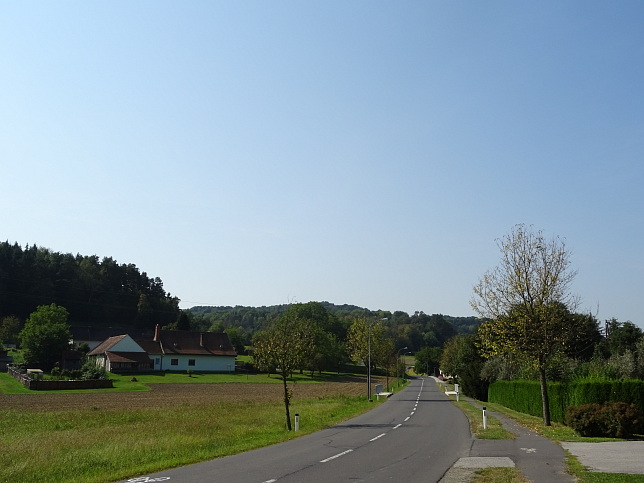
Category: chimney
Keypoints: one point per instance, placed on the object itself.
(156, 333)
(201, 339)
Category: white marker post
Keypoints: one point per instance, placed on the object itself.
(484, 418)
(458, 393)
(297, 422)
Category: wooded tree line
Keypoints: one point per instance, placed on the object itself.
(412, 331)
(95, 292)
(318, 337)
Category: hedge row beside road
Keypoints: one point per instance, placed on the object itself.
(525, 396)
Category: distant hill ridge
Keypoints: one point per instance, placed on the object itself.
(252, 318)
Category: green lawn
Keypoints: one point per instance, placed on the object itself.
(8, 385)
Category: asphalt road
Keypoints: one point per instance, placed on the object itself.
(416, 436)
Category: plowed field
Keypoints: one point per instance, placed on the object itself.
(167, 395)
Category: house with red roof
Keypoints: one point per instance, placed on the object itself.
(169, 350)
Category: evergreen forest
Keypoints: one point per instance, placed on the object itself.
(95, 292)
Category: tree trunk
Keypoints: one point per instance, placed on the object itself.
(545, 400)
(287, 402)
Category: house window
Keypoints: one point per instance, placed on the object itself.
(191, 362)
(174, 362)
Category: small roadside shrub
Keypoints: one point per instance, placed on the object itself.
(92, 371)
(584, 419)
(612, 420)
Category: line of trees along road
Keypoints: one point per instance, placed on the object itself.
(308, 337)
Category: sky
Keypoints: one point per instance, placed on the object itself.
(366, 152)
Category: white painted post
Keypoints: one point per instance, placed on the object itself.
(484, 418)
(297, 422)
(458, 393)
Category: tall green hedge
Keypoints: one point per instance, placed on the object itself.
(525, 396)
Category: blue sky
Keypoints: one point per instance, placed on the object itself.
(364, 152)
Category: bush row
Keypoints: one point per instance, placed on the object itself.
(525, 396)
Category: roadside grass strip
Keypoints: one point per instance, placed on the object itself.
(494, 428)
(474, 414)
(499, 475)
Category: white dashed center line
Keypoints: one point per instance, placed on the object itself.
(336, 456)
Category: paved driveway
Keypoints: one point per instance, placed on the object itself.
(611, 457)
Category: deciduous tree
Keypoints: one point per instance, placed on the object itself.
(45, 336)
(622, 336)
(461, 358)
(527, 300)
(284, 347)
(9, 329)
(365, 334)
(428, 360)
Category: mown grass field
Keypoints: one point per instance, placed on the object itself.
(110, 435)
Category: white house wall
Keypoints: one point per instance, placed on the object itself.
(126, 344)
(202, 363)
(102, 362)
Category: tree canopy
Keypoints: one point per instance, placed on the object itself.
(368, 339)
(45, 336)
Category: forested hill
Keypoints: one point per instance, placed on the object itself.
(95, 292)
(255, 316)
(414, 331)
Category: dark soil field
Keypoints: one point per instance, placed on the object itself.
(168, 395)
